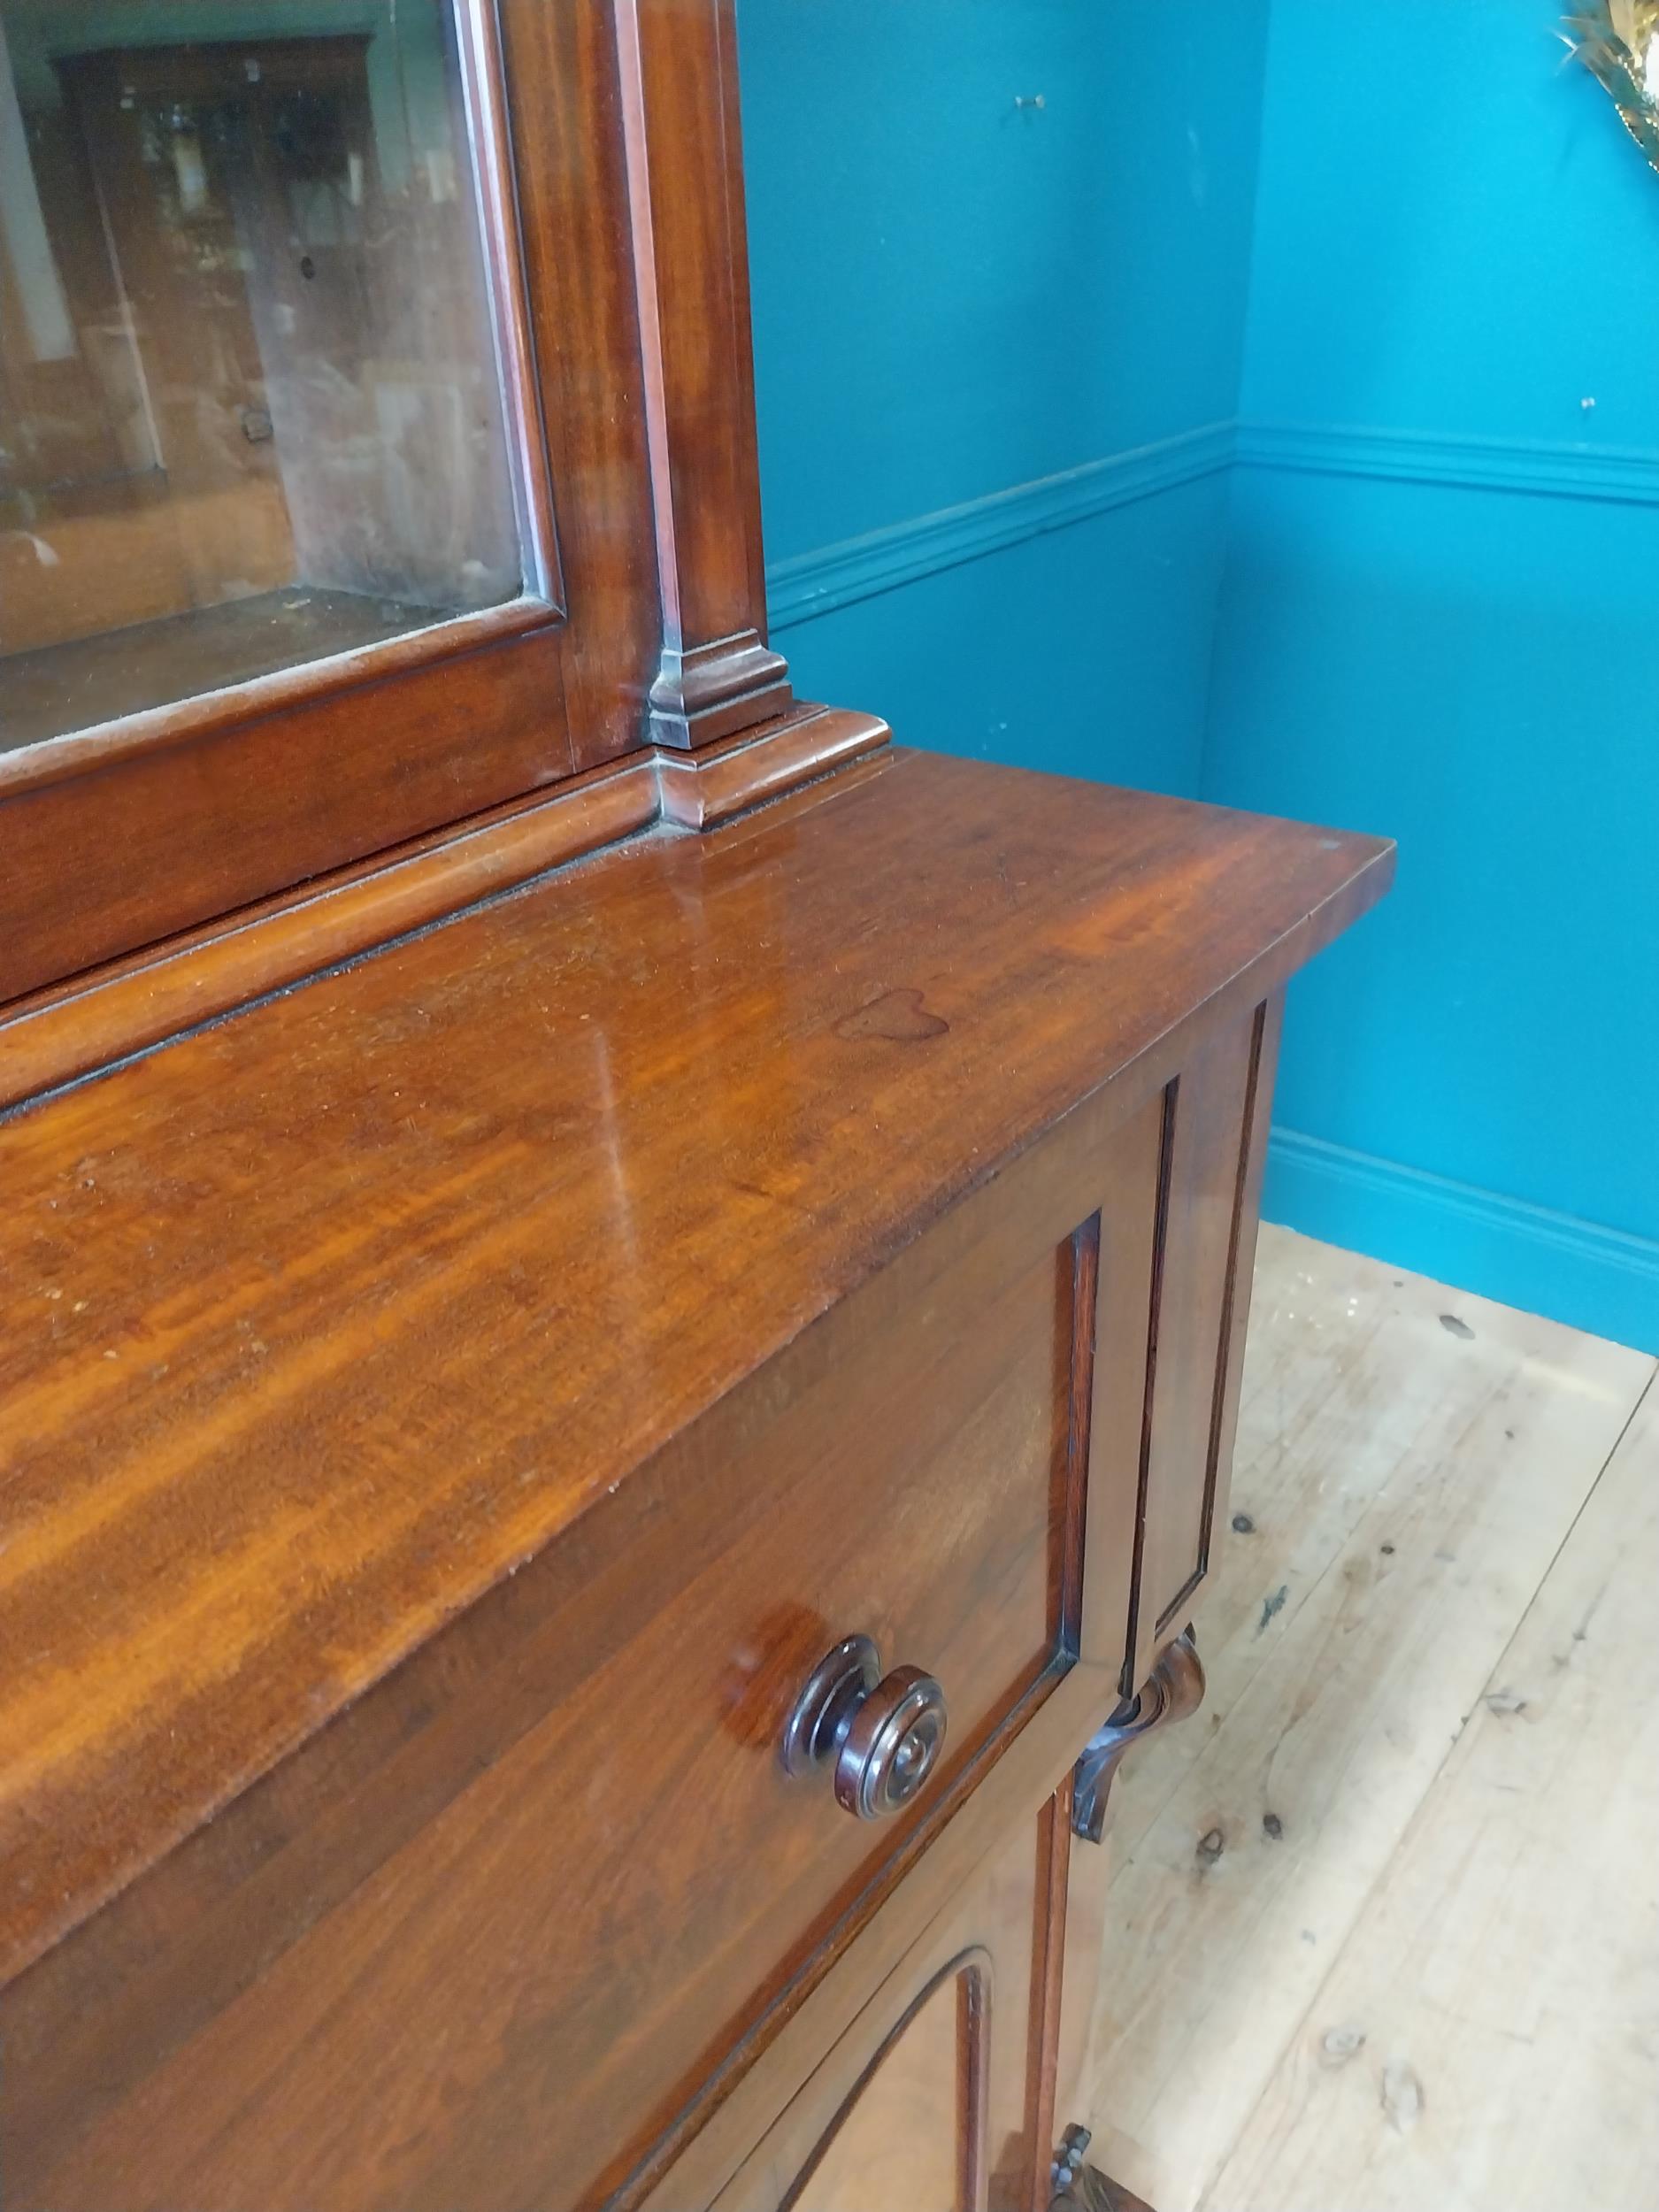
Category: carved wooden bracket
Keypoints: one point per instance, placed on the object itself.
(1174, 1688)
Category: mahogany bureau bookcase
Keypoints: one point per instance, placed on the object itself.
(622, 1302)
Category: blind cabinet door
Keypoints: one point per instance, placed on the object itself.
(938, 2098)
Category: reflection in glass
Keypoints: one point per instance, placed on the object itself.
(250, 406)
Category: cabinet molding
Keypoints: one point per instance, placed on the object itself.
(53, 1036)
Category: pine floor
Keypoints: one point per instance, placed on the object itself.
(1384, 1919)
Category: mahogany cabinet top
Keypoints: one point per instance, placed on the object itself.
(321, 1321)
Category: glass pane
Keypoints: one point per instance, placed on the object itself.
(250, 406)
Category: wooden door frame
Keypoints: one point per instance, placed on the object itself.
(607, 141)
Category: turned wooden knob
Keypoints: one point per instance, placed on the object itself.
(879, 1735)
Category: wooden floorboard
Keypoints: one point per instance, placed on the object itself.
(1415, 1467)
(1489, 2033)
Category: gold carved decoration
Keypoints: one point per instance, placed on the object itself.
(1618, 41)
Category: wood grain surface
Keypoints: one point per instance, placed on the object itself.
(530, 1988)
(927, 2098)
(322, 1320)
(74, 1028)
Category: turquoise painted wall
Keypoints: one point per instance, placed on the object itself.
(997, 351)
(1217, 427)
(1439, 618)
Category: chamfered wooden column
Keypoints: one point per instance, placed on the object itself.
(716, 674)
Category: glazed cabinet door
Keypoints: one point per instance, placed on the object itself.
(938, 2097)
(376, 440)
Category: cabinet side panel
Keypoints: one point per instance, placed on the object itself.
(1242, 1268)
(1213, 1164)
(1119, 1381)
